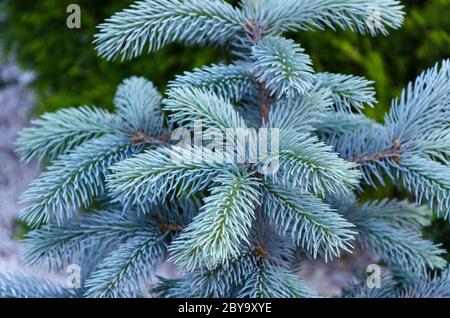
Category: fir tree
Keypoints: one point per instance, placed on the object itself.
(120, 195)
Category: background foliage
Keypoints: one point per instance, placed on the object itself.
(70, 73)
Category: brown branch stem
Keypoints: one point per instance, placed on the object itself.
(255, 34)
(140, 138)
(393, 152)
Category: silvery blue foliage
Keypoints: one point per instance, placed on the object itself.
(157, 23)
(233, 82)
(64, 130)
(411, 148)
(223, 226)
(19, 286)
(281, 65)
(366, 17)
(393, 229)
(120, 196)
(348, 92)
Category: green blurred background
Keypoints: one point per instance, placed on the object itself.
(69, 72)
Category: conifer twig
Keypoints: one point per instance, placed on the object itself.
(393, 152)
(139, 137)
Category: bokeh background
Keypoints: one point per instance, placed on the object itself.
(67, 72)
